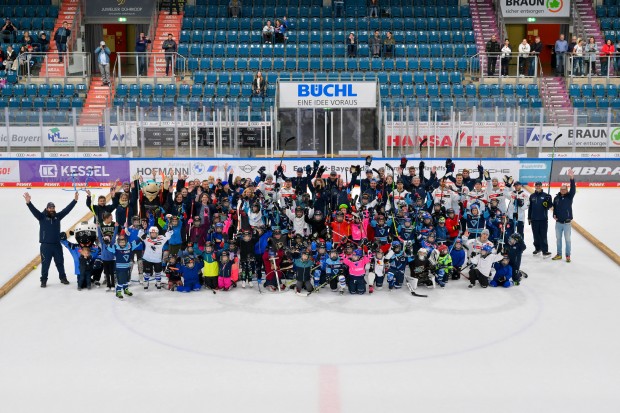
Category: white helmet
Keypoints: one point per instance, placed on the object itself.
(84, 230)
(424, 252)
(153, 229)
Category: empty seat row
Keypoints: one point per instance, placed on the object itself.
(327, 23)
(308, 3)
(328, 64)
(446, 90)
(597, 90)
(44, 90)
(29, 11)
(42, 103)
(327, 50)
(34, 23)
(461, 103)
(600, 103)
(233, 37)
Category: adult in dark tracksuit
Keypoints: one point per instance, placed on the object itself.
(538, 218)
(49, 237)
(563, 215)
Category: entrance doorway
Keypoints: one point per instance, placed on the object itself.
(548, 34)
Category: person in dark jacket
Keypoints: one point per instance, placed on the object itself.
(87, 265)
(101, 207)
(49, 236)
(61, 37)
(170, 50)
(141, 47)
(493, 50)
(537, 217)
(563, 215)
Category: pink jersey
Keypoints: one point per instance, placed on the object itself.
(356, 268)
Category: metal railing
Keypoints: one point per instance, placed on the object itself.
(605, 67)
(36, 65)
(526, 67)
(128, 65)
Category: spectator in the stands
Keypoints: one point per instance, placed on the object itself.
(259, 85)
(524, 54)
(44, 43)
(506, 56)
(570, 51)
(10, 59)
(102, 54)
(591, 56)
(578, 58)
(174, 3)
(234, 7)
(607, 52)
(351, 45)
(388, 45)
(561, 47)
(62, 35)
(374, 8)
(374, 44)
(268, 31)
(25, 59)
(535, 51)
(141, 46)
(492, 49)
(617, 59)
(27, 39)
(279, 30)
(8, 31)
(170, 48)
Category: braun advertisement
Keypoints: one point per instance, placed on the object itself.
(333, 95)
(535, 8)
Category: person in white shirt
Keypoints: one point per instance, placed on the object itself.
(578, 52)
(268, 31)
(506, 56)
(524, 54)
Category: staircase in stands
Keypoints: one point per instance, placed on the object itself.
(591, 25)
(98, 98)
(166, 23)
(485, 25)
(556, 100)
(67, 12)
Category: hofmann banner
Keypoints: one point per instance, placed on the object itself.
(331, 95)
(535, 8)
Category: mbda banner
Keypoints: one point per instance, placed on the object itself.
(328, 95)
(594, 172)
(535, 8)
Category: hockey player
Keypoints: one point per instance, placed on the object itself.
(334, 269)
(441, 231)
(426, 226)
(224, 281)
(382, 232)
(172, 273)
(153, 250)
(121, 248)
(211, 268)
(482, 265)
(443, 265)
(86, 265)
(503, 273)
(453, 225)
(473, 222)
(137, 252)
(189, 271)
(459, 258)
(495, 192)
(303, 272)
(376, 272)
(247, 264)
(477, 196)
(176, 241)
(107, 256)
(444, 195)
(518, 204)
(357, 270)
(515, 249)
(421, 270)
(475, 245)
(398, 263)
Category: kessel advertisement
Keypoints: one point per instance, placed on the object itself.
(328, 95)
(535, 8)
(593, 173)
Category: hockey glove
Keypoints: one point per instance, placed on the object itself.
(487, 176)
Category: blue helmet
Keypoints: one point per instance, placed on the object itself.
(487, 248)
(358, 252)
(395, 243)
(426, 215)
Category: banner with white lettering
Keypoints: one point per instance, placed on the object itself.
(535, 8)
(579, 137)
(447, 135)
(328, 95)
(65, 136)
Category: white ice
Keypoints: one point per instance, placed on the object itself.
(549, 345)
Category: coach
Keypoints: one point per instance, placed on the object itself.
(538, 218)
(563, 215)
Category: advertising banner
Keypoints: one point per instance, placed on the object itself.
(51, 172)
(120, 8)
(594, 172)
(328, 95)
(9, 171)
(583, 137)
(445, 135)
(534, 170)
(64, 136)
(535, 8)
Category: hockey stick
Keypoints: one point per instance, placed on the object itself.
(411, 289)
(273, 265)
(284, 148)
(552, 157)
(422, 142)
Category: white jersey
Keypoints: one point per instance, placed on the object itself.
(284, 193)
(513, 200)
(300, 226)
(398, 197)
(479, 197)
(460, 196)
(475, 245)
(496, 193)
(485, 264)
(445, 196)
(153, 248)
(269, 190)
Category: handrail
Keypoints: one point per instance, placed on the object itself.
(482, 75)
(179, 64)
(80, 61)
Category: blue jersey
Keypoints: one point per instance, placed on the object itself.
(190, 275)
(458, 257)
(398, 262)
(133, 238)
(74, 250)
(122, 255)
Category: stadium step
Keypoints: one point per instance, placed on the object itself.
(556, 100)
(165, 24)
(98, 98)
(591, 25)
(485, 24)
(67, 12)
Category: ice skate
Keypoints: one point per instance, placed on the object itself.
(250, 284)
(119, 294)
(243, 284)
(371, 289)
(127, 292)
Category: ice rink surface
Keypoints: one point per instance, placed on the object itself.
(547, 345)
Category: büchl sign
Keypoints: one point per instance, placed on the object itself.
(328, 95)
(535, 8)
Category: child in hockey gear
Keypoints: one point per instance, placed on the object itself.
(121, 249)
(303, 273)
(172, 273)
(503, 273)
(421, 270)
(319, 258)
(176, 241)
(459, 258)
(481, 266)
(473, 221)
(211, 268)
(453, 224)
(515, 249)
(190, 271)
(334, 269)
(153, 250)
(426, 226)
(441, 231)
(340, 228)
(376, 272)
(86, 263)
(224, 281)
(197, 233)
(443, 265)
(475, 245)
(382, 232)
(107, 256)
(247, 263)
(357, 271)
(429, 243)
(398, 263)
(137, 252)
(272, 259)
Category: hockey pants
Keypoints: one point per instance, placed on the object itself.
(108, 270)
(357, 285)
(476, 275)
(304, 284)
(211, 282)
(395, 279)
(122, 279)
(224, 283)
(248, 270)
(152, 270)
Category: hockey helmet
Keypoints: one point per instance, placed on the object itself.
(443, 249)
(426, 215)
(487, 248)
(358, 252)
(84, 234)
